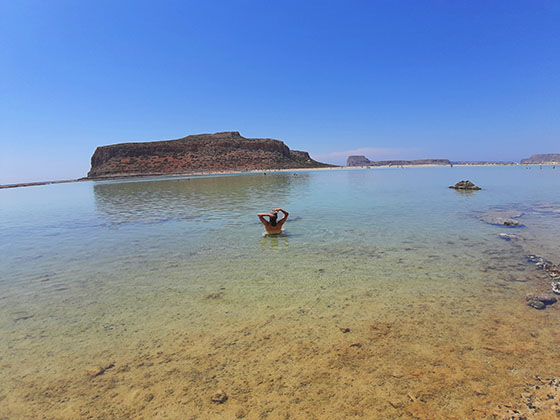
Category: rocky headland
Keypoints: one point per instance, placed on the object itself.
(226, 151)
(364, 161)
(546, 158)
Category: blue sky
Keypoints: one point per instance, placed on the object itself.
(464, 80)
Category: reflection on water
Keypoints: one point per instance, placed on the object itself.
(275, 241)
(203, 198)
(385, 297)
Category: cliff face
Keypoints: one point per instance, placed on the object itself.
(363, 161)
(542, 158)
(197, 153)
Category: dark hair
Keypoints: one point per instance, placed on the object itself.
(273, 219)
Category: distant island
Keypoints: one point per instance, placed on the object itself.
(226, 151)
(545, 159)
(539, 159)
(364, 161)
(483, 162)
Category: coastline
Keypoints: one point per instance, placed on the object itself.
(254, 171)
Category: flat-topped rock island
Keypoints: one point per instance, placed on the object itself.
(225, 151)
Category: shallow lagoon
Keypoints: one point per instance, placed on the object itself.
(170, 286)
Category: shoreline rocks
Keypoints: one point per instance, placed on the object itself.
(553, 270)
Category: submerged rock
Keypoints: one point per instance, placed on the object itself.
(502, 217)
(546, 298)
(540, 262)
(99, 370)
(219, 397)
(537, 304)
(540, 300)
(497, 220)
(553, 270)
(507, 237)
(465, 185)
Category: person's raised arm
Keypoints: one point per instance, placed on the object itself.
(262, 218)
(286, 214)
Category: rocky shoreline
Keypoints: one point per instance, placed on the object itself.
(547, 295)
(541, 300)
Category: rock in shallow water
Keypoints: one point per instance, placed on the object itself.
(553, 270)
(219, 397)
(546, 298)
(99, 370)
(540, 262)
(502, 217)
(499, 220)
(466, 186)
(540, 300)
(537, 304)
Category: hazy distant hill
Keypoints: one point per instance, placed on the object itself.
(542, 158)
(364, 161)
(197, 153)
(483, 162)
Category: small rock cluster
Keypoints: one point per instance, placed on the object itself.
(541, 300)
(465, 185)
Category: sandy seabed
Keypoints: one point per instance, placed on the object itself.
(324, 349)
(408, 329)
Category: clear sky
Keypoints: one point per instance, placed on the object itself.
(464, 80)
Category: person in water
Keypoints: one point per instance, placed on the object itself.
(273, 225)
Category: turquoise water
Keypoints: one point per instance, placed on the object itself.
(124, 271)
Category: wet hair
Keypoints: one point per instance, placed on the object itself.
(273, 219)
